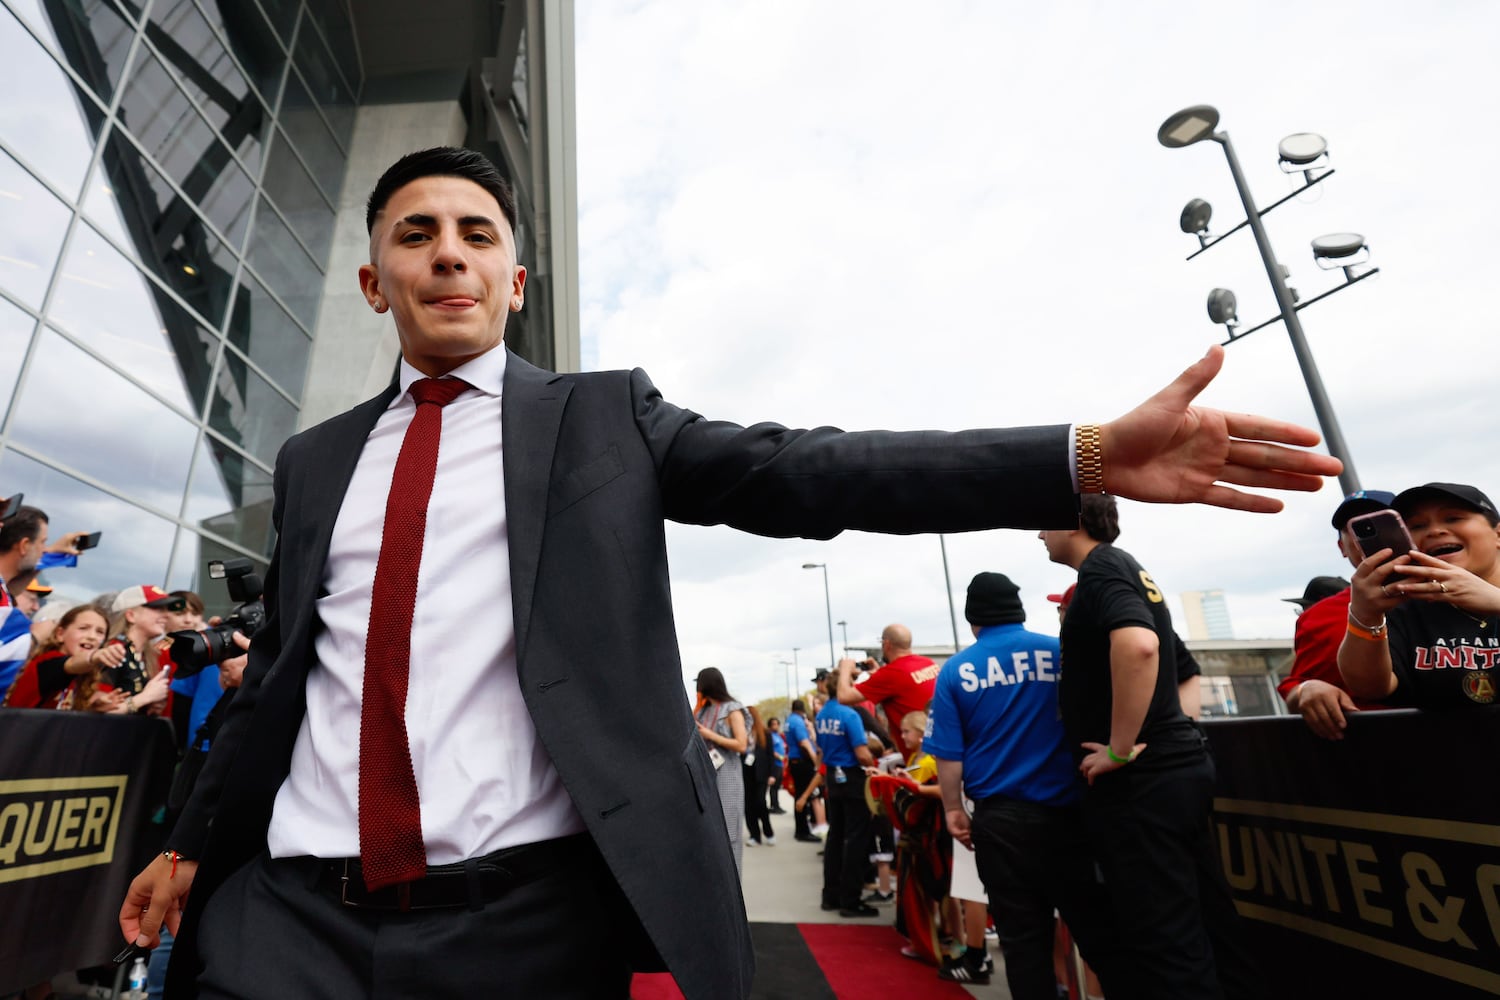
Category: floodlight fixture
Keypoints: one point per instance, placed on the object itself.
(1301, 148)
(1337, 246)
(1188, 126)
(1195, 216)
(1222, 307)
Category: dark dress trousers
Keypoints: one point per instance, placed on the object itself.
(594, 464)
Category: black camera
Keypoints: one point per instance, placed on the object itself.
(192, 651)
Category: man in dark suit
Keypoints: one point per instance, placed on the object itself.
(406, 802)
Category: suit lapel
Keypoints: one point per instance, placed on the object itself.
(330, 467)
(531, 411)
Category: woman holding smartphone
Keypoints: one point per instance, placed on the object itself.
(1424, 625)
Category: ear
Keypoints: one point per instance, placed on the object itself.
(518, 289)
(369, 285)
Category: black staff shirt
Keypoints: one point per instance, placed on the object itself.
(1115, 592)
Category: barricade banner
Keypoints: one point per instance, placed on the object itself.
(1368, 866)
(78, 793)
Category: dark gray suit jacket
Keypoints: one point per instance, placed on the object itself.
(594, 464)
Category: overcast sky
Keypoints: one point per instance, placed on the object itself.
(890, 215)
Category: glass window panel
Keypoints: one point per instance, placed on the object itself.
(190, 571)
(327, 88)
(293, 191)
(230, 496)
(309, 133)
(82, 414)
(285, 266)
(282, 14)
(333, 19)
(250, 37)
(131, 201)
(32, 224)
(105, 301)
(90, 35)
(15, 335)
(160, 117)
(194, 54)
(267, 335)
(250, 413)
(55, 126)
(133, 543)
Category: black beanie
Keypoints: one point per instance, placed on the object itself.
(993, 600)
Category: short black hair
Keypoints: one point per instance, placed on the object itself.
(441, 161)
(26, 523)
(798, 705)
(1099, 517)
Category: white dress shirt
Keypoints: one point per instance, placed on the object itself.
(483, 779)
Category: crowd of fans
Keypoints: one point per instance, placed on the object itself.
(110, 655)
(1419, 626)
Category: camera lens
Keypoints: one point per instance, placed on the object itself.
(1364, 529)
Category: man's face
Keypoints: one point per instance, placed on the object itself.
(1056, 543)
(31, 549)
(28, 602)
(1349, 546)
(443, 261)
(185, 620)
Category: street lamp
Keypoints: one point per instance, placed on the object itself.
(786, 677)
(844, 627)
(1305, 153)
(828, 604)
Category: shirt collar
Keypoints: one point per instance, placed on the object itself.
(485, 373)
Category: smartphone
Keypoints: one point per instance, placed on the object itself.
(88, 541)
(11, 506)
(1381, 529)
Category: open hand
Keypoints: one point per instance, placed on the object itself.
(1169, 451)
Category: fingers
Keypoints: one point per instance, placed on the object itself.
(1254, 427)
(1193, 380)
(1261, 477)
(1232, 499)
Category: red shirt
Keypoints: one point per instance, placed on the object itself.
(1320, 632)
(42, 683)
(903, 685)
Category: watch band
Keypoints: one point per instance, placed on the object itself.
(1090, 458)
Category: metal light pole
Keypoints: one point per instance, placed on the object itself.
(844, 627)
(786, 677)
(948, 588)
(828, 604)
(1193, 125)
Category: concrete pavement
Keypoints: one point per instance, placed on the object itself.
(782, 884)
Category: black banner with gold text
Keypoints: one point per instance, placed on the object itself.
(1368, 866)
(78, 793)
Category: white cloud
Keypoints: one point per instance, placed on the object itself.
(877, 215)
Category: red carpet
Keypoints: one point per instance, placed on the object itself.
(820, 961)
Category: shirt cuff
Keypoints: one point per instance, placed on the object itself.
(1073, 455)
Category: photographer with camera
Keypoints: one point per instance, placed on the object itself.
(903, 685)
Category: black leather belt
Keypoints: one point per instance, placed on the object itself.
(467, 883)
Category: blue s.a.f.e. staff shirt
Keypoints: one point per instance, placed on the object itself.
(796, 732)
(839, 732)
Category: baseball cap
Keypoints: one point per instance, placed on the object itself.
(818, 677)
(1467, 496)
(1360, 502)
(147, 596)
(39, 588)
(1318, 588)
(1065, 598)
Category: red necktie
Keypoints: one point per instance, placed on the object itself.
(390, 817)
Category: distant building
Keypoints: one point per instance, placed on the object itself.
(1206, 614)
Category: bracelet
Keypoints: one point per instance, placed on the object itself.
(1116, 757)
(1090, 456)
(130, 703)
(1375, 631)
(173, 857)
(1368, 635)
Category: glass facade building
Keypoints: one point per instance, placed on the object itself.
(169, 180)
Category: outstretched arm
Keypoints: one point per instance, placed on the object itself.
(1168, 451)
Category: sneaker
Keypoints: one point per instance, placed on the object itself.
(770, 841)
(821, 829)
(956, 970)
(828, 907)
(907, 951)
(880, 897)
(808, 838)
(859, 911)
(990, 934)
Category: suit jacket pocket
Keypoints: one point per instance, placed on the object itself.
(584, 479)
